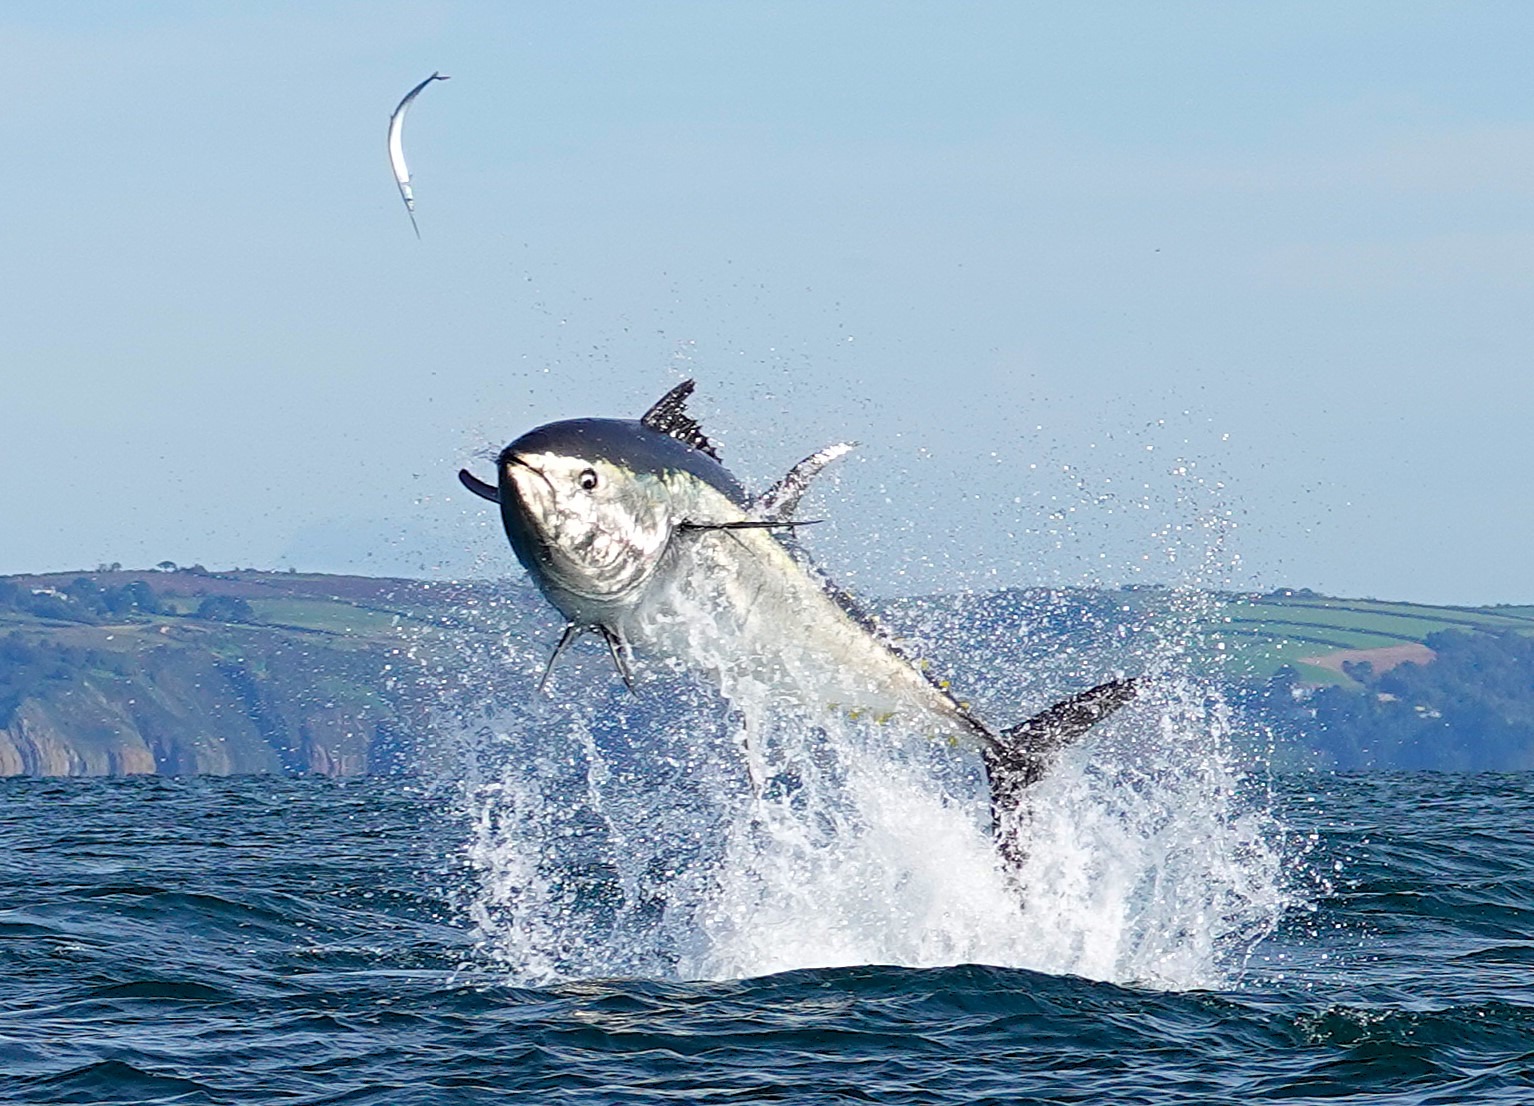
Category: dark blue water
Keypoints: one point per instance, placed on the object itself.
(305, 941)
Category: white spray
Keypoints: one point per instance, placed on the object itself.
(683, 835)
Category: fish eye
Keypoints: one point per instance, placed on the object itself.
(588, 479)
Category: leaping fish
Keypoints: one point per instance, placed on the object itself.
(397, 149)
(630, 526)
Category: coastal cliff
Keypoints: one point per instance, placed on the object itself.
(182, 671)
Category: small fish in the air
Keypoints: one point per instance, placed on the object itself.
(627, 526)
(397, 149)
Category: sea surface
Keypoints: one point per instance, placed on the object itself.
(310, 941)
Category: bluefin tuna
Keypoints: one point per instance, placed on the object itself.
(634, 530)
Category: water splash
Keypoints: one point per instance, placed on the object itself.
(741, 830)
(1149, 863)
(683, 834)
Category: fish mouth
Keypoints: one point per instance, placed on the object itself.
(509, 461)
(524, 528)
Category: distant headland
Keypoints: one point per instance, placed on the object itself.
(181, 670)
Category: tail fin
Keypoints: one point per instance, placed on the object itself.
(1022, 755)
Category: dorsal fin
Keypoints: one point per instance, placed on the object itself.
(669, 416)
(779, 502)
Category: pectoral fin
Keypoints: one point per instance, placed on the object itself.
(774, 509)
(745, 524)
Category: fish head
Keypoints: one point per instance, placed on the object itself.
(590, 506)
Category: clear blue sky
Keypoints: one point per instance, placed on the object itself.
(1052, 265)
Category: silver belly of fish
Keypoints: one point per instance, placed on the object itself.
(740, 607)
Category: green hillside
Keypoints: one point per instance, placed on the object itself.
(1266, 632)
(182, 670)
(189, 671)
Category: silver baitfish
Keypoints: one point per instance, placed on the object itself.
(397, 148)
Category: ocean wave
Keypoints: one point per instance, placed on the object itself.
(327, 960)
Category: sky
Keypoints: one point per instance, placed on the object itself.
(1228, 294)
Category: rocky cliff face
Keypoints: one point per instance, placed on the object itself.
(185, 671)
(179, 711)
(222, 674)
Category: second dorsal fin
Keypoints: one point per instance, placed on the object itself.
(779, 502)
(669, 416)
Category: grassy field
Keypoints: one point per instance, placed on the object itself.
(1267, 631)
(333, 616)
(1254, 635)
